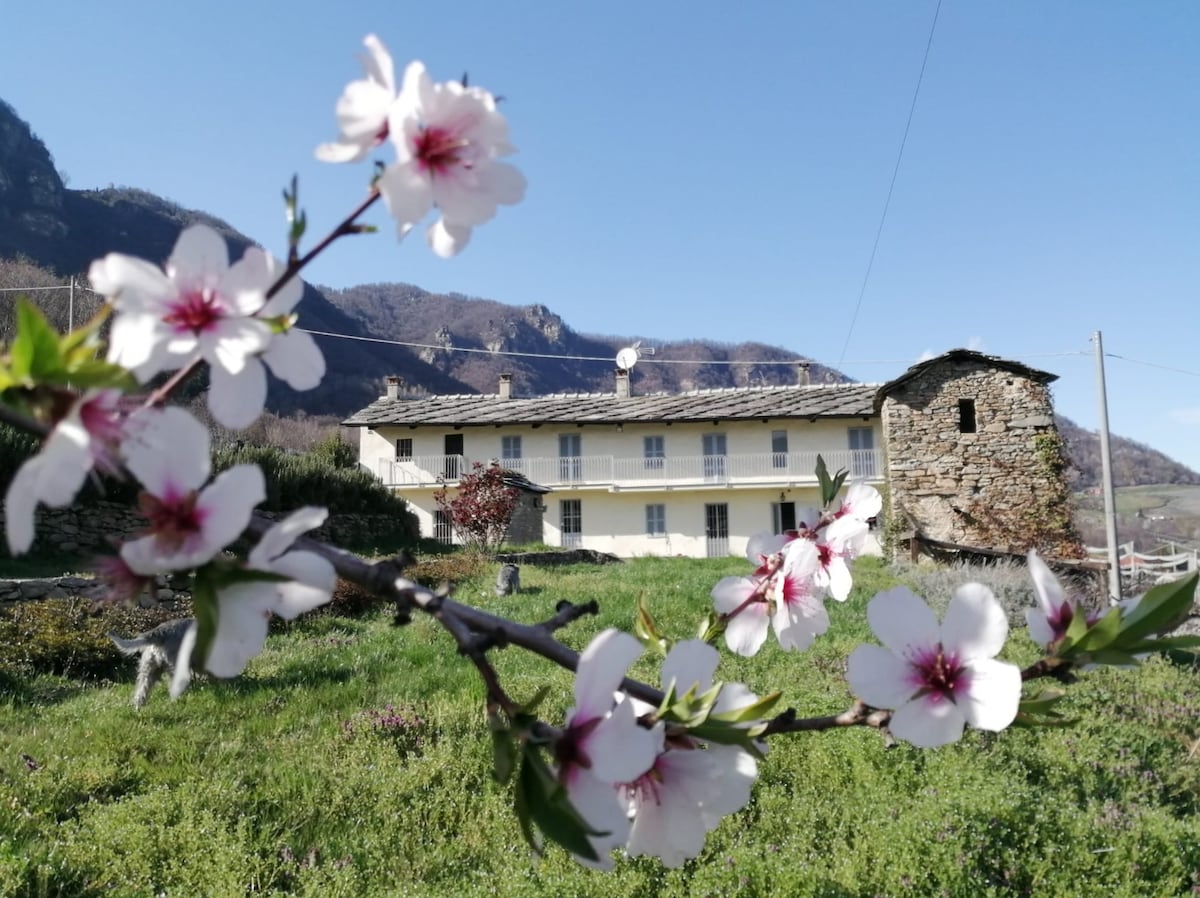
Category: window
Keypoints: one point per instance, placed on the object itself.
(443, 530)
(966, 416)
(862, 452)
(570, 456)
(654, 450)
(404, 448)
(779, 449)
(570, 520)
(714, 456)
(510, 452)
(656, 519)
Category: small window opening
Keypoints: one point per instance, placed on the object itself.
(966, 416)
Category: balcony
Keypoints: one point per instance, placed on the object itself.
(767, 469)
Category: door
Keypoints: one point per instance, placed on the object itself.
(716, 529)
(714, 456)
(783, 516)
(453, 451)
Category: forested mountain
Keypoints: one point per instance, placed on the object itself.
(455, 344)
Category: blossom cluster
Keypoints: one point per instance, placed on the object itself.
(642, 784)
(449, 140)
(794, 573)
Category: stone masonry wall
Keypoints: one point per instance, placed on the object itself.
(84, 529)
(1001, 487)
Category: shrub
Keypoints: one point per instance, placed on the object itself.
(68, 637)
(482, 507)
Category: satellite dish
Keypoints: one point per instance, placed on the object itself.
(627, 358)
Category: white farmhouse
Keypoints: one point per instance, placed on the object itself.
(693, 473)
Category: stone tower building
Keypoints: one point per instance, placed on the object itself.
(973, 455)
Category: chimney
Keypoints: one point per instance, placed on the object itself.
(506, 386)
(622, 383)
(394, 383)
(802, 376)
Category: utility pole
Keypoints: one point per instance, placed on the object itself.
(71, 307)
(1110, 502)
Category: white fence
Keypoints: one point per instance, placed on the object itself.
(1138, 566)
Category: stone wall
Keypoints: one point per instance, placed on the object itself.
(86, 529)
(1001, 487)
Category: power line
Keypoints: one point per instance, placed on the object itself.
(891, 187)
(1113, 355)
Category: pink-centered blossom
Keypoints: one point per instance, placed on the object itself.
(861, 501)
(449, 141)
(838, 543)
(602, 744)
(786, 599)
(1049, 620)
(363, 108)
(244, 609)
(167, 450)
(692, 784)
(84, 439)
(937, 678)
(199, 307)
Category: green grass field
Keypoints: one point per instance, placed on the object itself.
(352, 760)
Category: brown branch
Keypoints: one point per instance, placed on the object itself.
(342, 229)
(858, 714)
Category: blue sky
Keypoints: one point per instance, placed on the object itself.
(713, 170)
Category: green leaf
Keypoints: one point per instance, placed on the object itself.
(530, 706)
(1159, 608)
(711, 628)
(35, 349)
(827, 491)
(1042, 702)
(204, 609)
(756, 711)
(1076, 630)
(1100, 634)
(646, 629)
(1163, 644)
(549, 808)
(97, 374)
(504, 749)
(1113, 657)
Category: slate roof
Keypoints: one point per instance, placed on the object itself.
(734, 404)
(970, 356)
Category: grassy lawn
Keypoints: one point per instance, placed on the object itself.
(351, 760)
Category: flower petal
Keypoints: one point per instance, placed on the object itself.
(236, 400)
(879, 677)
(975, 625)
(242, 620)
(992, 695)
(690, 663)
(745, 633)
(199, 253)
(1046, 588)
(600, 671)
(448, 240)
(182, 676)
(227, 503)
(294, 358)
(407, 193)
(167, 450)
(619, 749)
(599, 804)
(280, 536)
(928, 721)
(902, 621)
(311, 586)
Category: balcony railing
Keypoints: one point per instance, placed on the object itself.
(615, 472)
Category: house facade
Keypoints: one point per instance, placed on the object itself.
(964, 443)
(692, 474)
